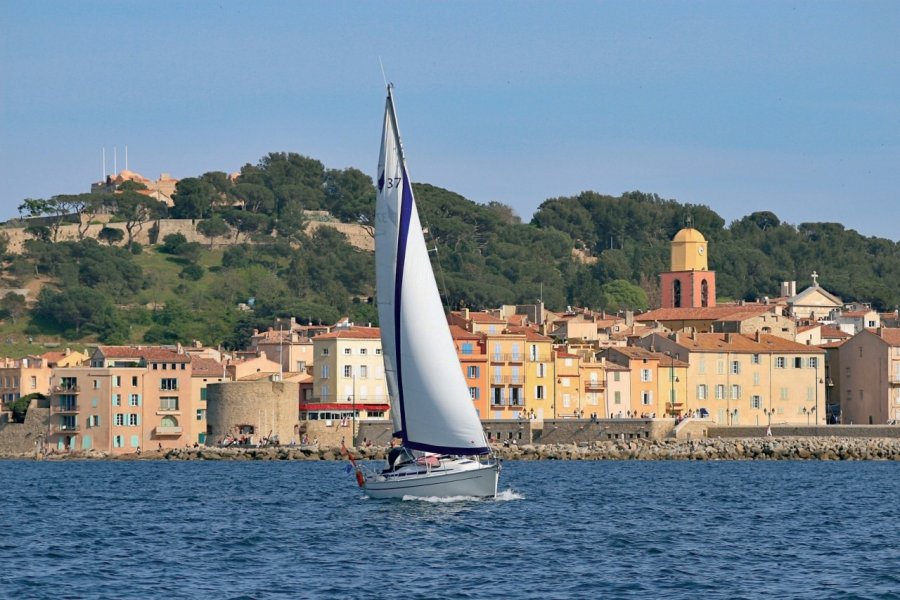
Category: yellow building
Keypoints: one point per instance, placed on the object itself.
(749, 380)
(592, 379)
(567, 385)
(506, 375)
(349, 381)
(538, 372)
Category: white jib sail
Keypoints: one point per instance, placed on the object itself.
(431, 407)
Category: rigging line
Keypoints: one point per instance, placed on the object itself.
(383, 76)
(444, 293)
(445, 296)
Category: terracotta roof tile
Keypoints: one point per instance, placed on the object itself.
(530, 334)
(891, 335)
(458, 333)
(352, 333)
(719, 342)
(833, 333)
(206, 367)
(713, 313)
(480, 317)
(148, 353)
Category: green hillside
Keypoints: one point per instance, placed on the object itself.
(177, 291)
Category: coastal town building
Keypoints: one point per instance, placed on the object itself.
(738, 379)
(472, 352)
(477, 321)
(868, 379)
(349, 382)
(567, 384)
(293, 350)
(814, 303)
(128, 397)
(32, 374)
(852, 322)
(618, 389)
(658, 382)
(506, 374)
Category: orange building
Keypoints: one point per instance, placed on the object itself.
(472, 352)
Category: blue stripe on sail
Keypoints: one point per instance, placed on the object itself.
(446, 449)
(406, 208)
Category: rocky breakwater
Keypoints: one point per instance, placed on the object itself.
(766, 448)
(216, 453)
(782, 448)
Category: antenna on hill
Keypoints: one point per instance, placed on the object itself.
(103, 154)
(383, 76)
(115, 160)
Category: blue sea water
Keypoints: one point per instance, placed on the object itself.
(230, 530)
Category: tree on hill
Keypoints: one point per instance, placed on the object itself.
(193, 198)
(135, 210)
(111, 235)
(12, 306)
(213, 228)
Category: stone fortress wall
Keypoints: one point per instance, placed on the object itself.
(357, 235)
(266, 406)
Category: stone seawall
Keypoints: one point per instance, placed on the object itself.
(774, 448)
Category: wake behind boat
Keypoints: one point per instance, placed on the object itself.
(443, 443)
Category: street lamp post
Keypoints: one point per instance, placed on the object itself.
(672, 380)
(768, 412)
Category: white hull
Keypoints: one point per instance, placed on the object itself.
(454, 477)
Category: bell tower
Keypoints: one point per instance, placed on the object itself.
(689, 283)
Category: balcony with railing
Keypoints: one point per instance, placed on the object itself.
(507, 358)
(65, 389)
(499, 402)
(68, 408)
(539, 358)
(66, 428)
(594, 386)
(507, 380)
(168, 429)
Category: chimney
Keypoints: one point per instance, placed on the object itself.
(727, 338)
(758, 336)
(466, 314)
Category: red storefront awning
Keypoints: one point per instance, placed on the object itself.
(343, 406)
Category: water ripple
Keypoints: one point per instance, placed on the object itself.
(240, 530)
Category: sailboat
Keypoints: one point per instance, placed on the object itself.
(444, 452)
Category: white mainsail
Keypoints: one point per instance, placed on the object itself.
(430, 404)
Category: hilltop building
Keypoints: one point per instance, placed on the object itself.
(161, 189)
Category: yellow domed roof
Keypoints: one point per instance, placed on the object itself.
(689, 234)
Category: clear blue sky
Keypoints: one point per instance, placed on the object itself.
(792, 107)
